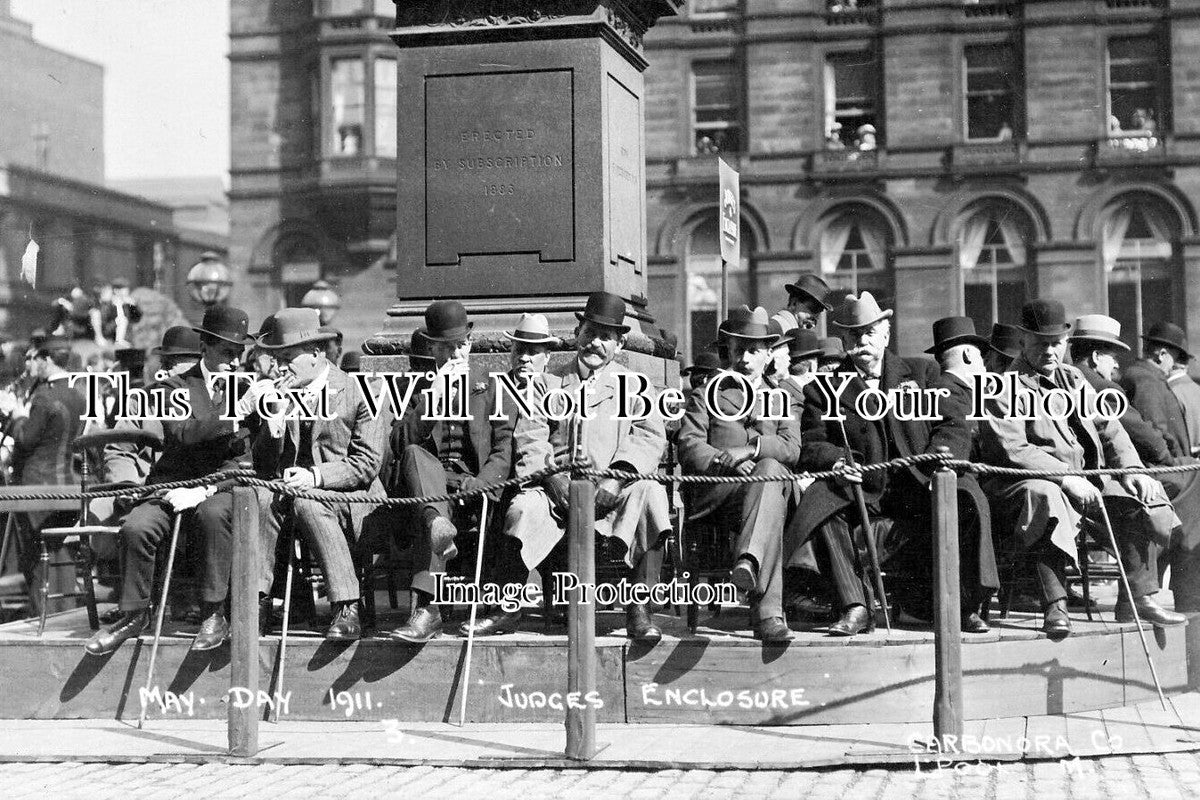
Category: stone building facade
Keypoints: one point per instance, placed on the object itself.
(952, 157)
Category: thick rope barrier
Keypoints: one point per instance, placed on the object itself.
(585, 469)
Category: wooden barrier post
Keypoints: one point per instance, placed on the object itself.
(947, 610)
(243, 673)
(581, 620)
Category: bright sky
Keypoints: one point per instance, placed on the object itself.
(166, 78)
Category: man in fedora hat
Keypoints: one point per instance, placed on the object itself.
(531, 342)
(1165, 440)
(805, 303)
(192, 448)
(436, 457)
(1048, 514)
(1003, 347)
(342, 453)
(959, 351)
(42, 431)
(749, 445)
(897, 500)
(635, 513)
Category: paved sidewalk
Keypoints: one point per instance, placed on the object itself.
(1144, 728)
(1174, 776)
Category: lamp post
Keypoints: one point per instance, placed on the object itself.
(209, 281)
(324, 299)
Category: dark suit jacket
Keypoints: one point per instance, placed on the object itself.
(42, 441)
(1148, 392)
(823, 445)
(703, 435)
(203, 443)
(490, 456)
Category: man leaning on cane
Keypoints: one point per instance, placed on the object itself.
(193, 448)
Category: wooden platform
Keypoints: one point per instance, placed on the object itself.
(720, 675)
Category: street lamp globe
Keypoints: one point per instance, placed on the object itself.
(324, 299)
(209, 280)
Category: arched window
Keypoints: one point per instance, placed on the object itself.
(1137, 249)
(702, 282)
(991, 247)
(854, 249)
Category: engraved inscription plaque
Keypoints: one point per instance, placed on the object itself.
(499, 166)
(625, 192)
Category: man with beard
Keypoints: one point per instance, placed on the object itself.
(748, 445)
(1048, 514)
(635, 513)
(897, 500)
(192, 448)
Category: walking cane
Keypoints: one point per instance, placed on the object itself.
(483, 523)
(872, 551)
(287, 612)
(1112, 538)
(158, 621)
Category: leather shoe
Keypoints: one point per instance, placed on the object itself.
(973, 623)
(1057, 623)
(639, 626)
(1148, 610)
(744, 575)
(493, 624)
(346, 626)
(423, 624)
(107, 640)
(772, 629)
(441, 534)
(854, 619)
(214, 630)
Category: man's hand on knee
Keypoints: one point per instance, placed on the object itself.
(1082, 493)
(183, 499)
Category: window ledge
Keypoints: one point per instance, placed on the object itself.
(839, 161)
(985, 153)
(1120, 149)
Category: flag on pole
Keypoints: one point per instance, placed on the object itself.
(29, 263)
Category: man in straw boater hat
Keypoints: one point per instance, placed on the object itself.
(530, 342)
(897, 501)
(343, 453)
(748, 445)
(436, 457)
(635, 513)
(192, 448)
(806, 303)
(1164, 439)
(959, 351)
(1048, 513)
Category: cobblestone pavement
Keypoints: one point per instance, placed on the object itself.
(1162, 777)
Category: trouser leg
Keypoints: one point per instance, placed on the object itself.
(1139, 553)
(835, 554)
(424, 476)
(325, 527)
(147, 525)
(764, 508)
(214, 521)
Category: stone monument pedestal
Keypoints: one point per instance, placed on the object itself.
(521, 164)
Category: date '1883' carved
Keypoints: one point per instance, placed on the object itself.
(499, 176)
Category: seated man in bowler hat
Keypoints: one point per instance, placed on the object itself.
(897, 500)
(707, 364)
(435, 457)
(1003, 347)
(340, 454)
(751, 445)
(959, 351)
(192, 448)
(1146, 383)
(1048, 514)
(635, 513)
(806, 303)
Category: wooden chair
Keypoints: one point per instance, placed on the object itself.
(82, 533)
